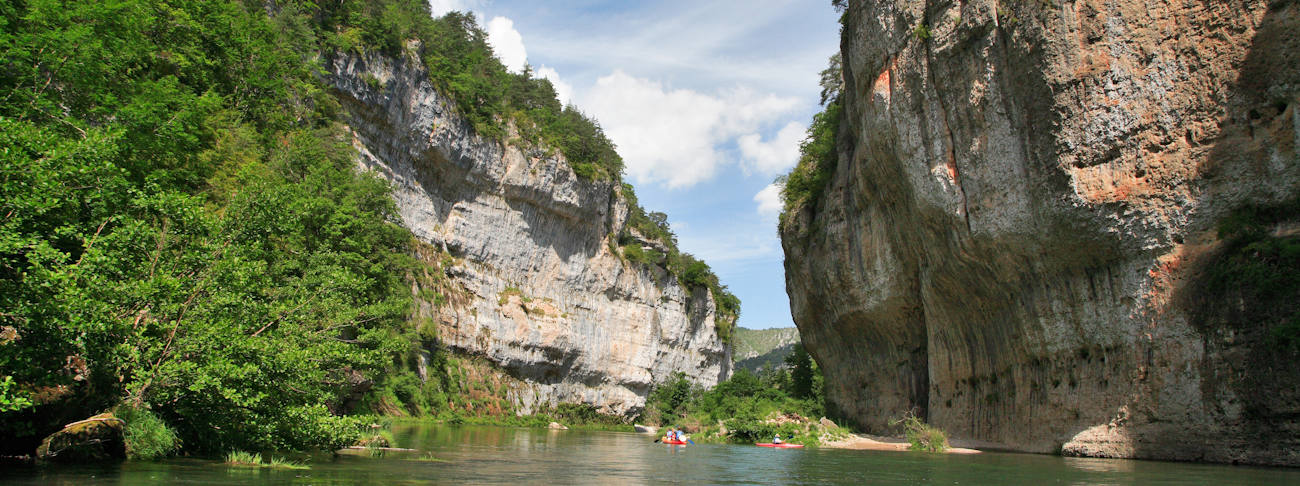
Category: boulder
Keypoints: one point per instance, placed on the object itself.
(556, 426)
(97, 438)
(645, 429)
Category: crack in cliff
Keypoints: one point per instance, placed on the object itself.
(953, 172)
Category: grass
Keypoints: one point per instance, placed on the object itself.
(253, 459)
(241, 458)
(146, 436)
(504, 296)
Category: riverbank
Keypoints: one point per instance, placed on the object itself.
(578, 421)
(869, 442)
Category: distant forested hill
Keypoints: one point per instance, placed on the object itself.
(763, 348)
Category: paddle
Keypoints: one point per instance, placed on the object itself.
(691, 441)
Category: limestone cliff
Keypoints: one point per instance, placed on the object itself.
(532, 284)
(1023, 223)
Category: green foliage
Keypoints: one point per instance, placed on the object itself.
(804, 184)
(253, 459)
(803, 372)
(690, 271)
(746, 405)
(669, 399)
(460, 62)
(183, 226)
(832, 79)
(1261, 269)
(763, 349)
(12, 399)
(241, 458)
(504, 296)
(817, 160)
(582, 415)
(922, 31)
(146, 436)
(921, 436)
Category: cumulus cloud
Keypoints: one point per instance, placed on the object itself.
(506, 43)
(672, 136)
(769, 200)
(772, 156)
(563, 90)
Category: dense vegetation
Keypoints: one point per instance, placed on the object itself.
(747, 407)
(183, 236)
(183, 230)
(758, 349)
(803, 186)
(455, 51)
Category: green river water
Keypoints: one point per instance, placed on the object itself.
(498, 455)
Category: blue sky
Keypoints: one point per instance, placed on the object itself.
(707, 102)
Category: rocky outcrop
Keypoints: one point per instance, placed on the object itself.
(1017, 237)
(532, 281)
(97, 438)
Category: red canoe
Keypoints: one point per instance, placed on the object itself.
(783, 444)
(674, 442)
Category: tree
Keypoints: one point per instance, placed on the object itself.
(801, 372)
(832, 80)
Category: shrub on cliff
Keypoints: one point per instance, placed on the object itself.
(817, 159)
(690, 271)
(461, 63)
(803, 185)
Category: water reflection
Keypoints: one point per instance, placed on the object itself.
(498, 455)
(1099, 465)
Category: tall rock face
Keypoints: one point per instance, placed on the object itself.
(1020, 240)
(531, 283)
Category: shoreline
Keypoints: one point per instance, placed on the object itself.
(866, 442)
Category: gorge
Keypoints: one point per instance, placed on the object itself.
(1063, 227)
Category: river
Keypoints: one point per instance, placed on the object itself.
(498, 455)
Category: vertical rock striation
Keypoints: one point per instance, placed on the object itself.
(532, 286)
(1016, 237)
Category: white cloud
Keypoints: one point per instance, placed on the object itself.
(563, 90)
(506, 43)
(739, 244)
(440, 7)
(773, 156)
(673, 135)
(769, 200)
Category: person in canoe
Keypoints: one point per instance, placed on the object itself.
(777, 439)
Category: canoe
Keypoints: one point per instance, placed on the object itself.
(674, 442)
(781, 445)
